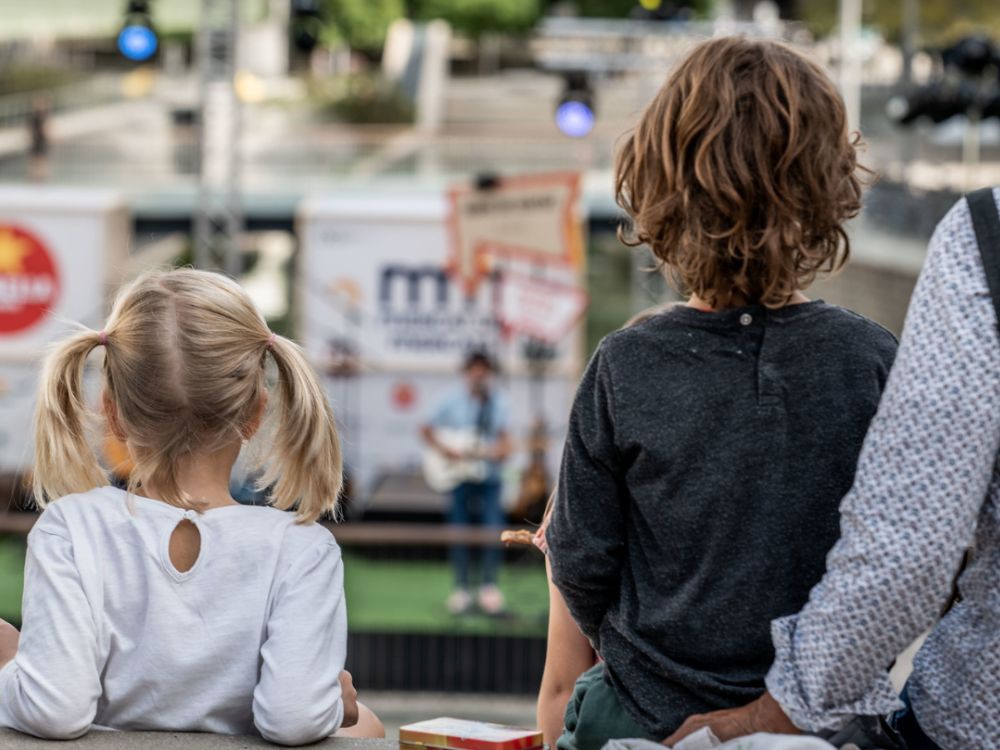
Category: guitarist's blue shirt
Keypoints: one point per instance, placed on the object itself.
(460, 410)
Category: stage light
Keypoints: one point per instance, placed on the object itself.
(574, 118)
(138, 40)
(306, 24)
(575, 114)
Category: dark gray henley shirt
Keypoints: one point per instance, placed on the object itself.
(705, 461)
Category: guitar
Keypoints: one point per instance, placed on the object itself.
(444, 474)
(536, 485)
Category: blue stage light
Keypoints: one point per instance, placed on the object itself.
(137, 42)
(574, 118)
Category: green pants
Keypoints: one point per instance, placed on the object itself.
(594, 715)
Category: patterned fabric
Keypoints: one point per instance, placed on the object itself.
(927, 487)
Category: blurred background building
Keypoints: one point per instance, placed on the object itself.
(339, 157)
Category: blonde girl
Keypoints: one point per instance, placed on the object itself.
(169, 606)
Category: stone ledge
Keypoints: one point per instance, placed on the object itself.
(103, 740)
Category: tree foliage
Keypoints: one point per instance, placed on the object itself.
(361, 24)
(939, 21)
(626, 8)
(473, 18)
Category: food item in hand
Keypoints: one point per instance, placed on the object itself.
(517, 536)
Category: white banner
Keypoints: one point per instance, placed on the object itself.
(532, 217)
(388, 326)
(374, 288)
(540, 308)
(62, 253)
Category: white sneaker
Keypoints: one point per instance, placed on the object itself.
(459, 602)
(491, 599)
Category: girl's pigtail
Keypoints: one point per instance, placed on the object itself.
(308, 470)
(64, 461)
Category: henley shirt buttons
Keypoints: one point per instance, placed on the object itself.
(746, 319)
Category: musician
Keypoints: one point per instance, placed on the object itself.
(469, 431)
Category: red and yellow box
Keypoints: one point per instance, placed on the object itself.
(460, 734)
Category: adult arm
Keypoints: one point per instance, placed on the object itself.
(298, 697)
(51, 687)
(586, 535)
(922, 478)
(567, 655)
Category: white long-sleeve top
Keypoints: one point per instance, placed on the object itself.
(251, 639)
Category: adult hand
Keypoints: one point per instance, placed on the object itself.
(349, 695)
(763, 715)
(9, 638)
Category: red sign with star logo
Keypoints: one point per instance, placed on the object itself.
(29, 281)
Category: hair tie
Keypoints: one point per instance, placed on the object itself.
(270, 340)
(103, 338)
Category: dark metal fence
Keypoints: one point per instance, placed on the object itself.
(446, 662)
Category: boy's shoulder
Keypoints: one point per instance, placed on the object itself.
(666, 323)
(867, 330)
(629, 352)
(672, 327)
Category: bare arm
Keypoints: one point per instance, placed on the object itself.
(586, 533)
(367, 726)
(568, 655)
(9, 637)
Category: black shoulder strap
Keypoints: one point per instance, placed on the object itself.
(986, 222)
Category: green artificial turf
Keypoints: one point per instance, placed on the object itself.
(409, 596)
(11, 577)
(396, 596)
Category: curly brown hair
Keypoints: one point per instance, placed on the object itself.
(741, 174)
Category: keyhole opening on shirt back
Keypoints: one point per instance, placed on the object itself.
(185, 546)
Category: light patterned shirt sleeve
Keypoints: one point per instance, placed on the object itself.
(922, 480)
